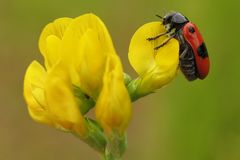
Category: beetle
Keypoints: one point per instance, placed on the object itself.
(193, 55)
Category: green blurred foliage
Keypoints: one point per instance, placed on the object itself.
(197, 120)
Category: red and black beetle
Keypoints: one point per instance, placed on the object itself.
(193, 54)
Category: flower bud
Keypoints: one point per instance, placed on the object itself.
(113, 107)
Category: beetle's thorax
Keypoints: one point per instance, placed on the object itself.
(174, 20)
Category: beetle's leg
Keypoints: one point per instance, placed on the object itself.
(183, 54)
(161, 45)
(156, 37)
(186, 54)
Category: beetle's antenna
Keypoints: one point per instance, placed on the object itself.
(159, 16)
(164, 11)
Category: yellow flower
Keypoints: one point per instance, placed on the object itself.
(113, 108)
(156, 68)
(83, 43)
(86, 44)
(49, 92)
(50, 98)
(77, 52)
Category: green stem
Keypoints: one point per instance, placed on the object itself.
(109, 156)
(117, 144)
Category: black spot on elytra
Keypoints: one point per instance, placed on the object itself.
(191, 29)
(202, 51)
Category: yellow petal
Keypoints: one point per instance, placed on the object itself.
(113, 107)
(87, 34)
(165, 69)
(56, 28)
(61, 101)
(83, 23)
(77, 29)
(92, 66)
(34, 81)
(168, 56)
(53, 51)
(142, 55)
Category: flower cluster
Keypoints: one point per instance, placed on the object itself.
(82, 71)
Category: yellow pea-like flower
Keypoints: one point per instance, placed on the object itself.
(113, 107)
(50, 99)
(88, 41)
(49, 92)
(156, 68)
(34, 95)
(83, 43)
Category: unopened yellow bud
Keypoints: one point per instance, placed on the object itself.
(113, 107)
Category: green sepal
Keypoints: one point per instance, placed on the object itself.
(127, 79)
(96, 138)
(86, 103)
(134, 89)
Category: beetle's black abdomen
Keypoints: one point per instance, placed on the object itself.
(186, 61)
(188, 66)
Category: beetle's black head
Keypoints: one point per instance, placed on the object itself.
(174, 20)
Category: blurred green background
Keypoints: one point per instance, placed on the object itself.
(183, 121)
